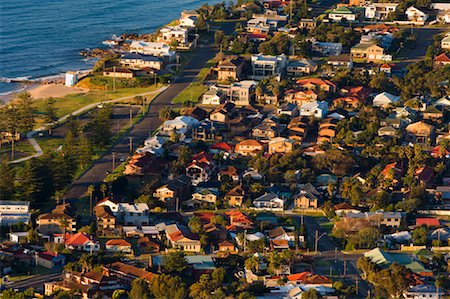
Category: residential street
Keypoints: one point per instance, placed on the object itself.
(151, 121)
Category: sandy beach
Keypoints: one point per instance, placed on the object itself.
(43, 91)
(54, 90)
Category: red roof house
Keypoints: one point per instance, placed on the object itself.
(430, 222)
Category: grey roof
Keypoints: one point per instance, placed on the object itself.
(141, 57)
(267, 197)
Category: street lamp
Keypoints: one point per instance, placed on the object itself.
(316, 244)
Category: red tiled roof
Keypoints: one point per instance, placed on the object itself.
(442, 58)
(315, 81)
(117, 242)
(343, 206)
(205, 217)
(427, 222)
(78, 239)
(298, 276)
(222, 146)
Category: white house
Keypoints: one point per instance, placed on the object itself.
(214, 96)
(153, 145)
(172, 34)
(139, 61)
(443, 17)
(189, 21)
(240, 93)
(342, 13)
(134, 214)
(264, 66)
(301, 67)
(384, 99)
(327, 49)
(379, 11)
(445, 42)
(269, 201)
(13, 212)
(422, 291)
(416, 14)
(112, 205)
(318, 109)
(180, 125)
(150, 48)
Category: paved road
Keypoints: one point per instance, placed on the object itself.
(423, 41)
(141, 131)
(35, 282)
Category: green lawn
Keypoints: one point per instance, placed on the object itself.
(196, 89)
(21, 148)
(327, 226)
(116, 173)
(68, 104)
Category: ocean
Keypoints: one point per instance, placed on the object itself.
(43, 38)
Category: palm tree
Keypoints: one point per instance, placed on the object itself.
(103, 189)
(64, 223)
(90, 190)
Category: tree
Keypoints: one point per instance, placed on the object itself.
(366, 265)
(120, 294)
(64, 223)
(174, 262)
(195, 225)
(24, 109)
(419, 236)
(364, 238)
(7, 180)
(104, 189)
(311, 294)
(166, 113)
(90, 191)
(167, 287)
(140, 289)
(50, 113)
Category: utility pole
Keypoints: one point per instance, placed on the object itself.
(290, 10)
(113, 161)
(316, 241)
(131, 144)
(345, 267)
(131, 116)
(143, 105)
(114, 79)
(12, 149)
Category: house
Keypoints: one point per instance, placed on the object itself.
(13, 212)
(173, 36)
(443, 17)
(307, 278)
(81, 241)
(384, 99)
(139, 61)
(423, 291)
(287, 109)
(300, 97)
(388, 131)
(307, 198)
(235, 197)
(241, 93)
(214, 96)
(201, 168)
(420, 132)
(133, 214)
(230, 69)
(118, 72)
(297, 68)
(229, 171)
(343, 208)
(317, 83)
(181, 125)
(269, 201)
(55, 223)
(50, 260)
(417, 14)
(249, 147)
(176, 189)
(265, 66)
(379, 11)
(341, 61)
(126, 273)
(18, 237)
(151, 48)
(346, 102)
(307, 24)
(369, 53)
(238, 220)
(316, 109)
(205, 195)
(327, 49)
(442, 59)
(181, 238)
(267, 129)
(227, 246)
(106, 221)
(223, 113)
(189, 21)
(118, 245)
(146, 245)
(280, 145)
(223, 148)
(342, 13)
